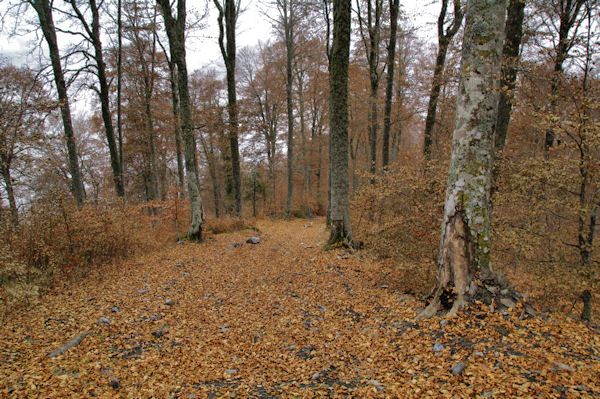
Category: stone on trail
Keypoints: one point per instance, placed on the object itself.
(103, 320)
(253, 240)
(142, 291)
(114, 309)
(437, 347)
(169, 302)
(458, 368)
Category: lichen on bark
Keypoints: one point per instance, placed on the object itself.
(465, 236)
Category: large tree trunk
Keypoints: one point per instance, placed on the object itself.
(228, 51)
(44, 12)
(510, 63)
(389, 88)
(338, 157)
(444, 39)
(465, 238)
(176, 32)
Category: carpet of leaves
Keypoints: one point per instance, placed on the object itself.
(280, 319)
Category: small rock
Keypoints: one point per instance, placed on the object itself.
(480, 354)
(192, 396)
(161, 331)
(115, 383)
(504, 291)
(509, 303)
(103, 320)
(443, 322)
(315, 376)
(169, 302)
(155, 317)
(377, 385)
(142, 291)
(492, 289)
(186, 274)
(322, 308)
(437, 347)
(556, 366)
(114, 309)
(253, 240)
(223, 329)
(488, 394)
(458, 368)
(231, 371)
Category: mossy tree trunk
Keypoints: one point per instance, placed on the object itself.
(175, 28)
(338, 157)
(465, 236)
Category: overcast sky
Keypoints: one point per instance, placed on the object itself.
(203, 50)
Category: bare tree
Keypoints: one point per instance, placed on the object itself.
(562, 19)
(92, 34)
(228, 14)
(389, 88)
(445, 35)
(510, 63)
(175, 27)
(465, 239)
(44, 13)
(370, 32)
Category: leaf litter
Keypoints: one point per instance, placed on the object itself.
(279, 319)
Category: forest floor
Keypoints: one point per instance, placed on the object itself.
(279, 319)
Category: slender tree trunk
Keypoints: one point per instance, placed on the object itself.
(289, 47)
(119, 83)
(93, 33)
(338, 83)
(175, 28)
(568, 14)
(510, 63)
(465, 238)
(389, 88)
(228, 51)
(10, 193)
(44, 12)
(177, 124)
(444, 39)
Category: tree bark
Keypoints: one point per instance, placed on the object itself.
(510, 62)
(371, 41)
(338, 82)
(175, 28)
(10, 193)
(444, 39)
(465, 236)
(389, 88)
(228, 51)
(44, 12)
(289, 22)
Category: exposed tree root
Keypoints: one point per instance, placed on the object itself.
(72, 343)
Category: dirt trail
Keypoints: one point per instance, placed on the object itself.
(278, 319)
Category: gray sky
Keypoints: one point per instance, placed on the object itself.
(202, 49)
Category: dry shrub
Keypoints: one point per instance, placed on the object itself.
(57, 242)
(227, 225)
(398, 217)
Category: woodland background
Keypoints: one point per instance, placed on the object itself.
(545, 199)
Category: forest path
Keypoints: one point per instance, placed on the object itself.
(283, 319)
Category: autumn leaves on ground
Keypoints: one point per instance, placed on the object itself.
(280, 319)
